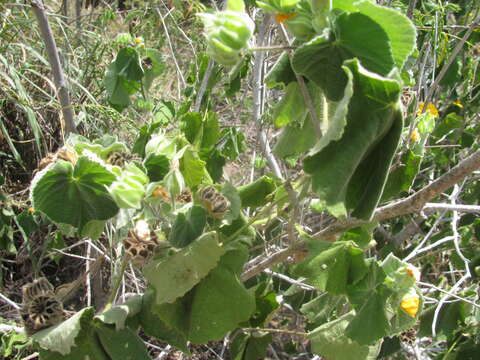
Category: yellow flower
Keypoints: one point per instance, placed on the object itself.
(138, 40)
(283, 17)
(31, 210)
(431, 109)
(410, 304)
(458, 103)
(415, 136)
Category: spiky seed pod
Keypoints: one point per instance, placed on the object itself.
(63, 153)
(42, 312)
(38, 287)
(215, 202)
(140, 244)
(185, 196)
(408, 337)
(120, 158)
(219, 207)
(40, 307)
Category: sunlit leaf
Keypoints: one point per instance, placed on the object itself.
(329, 340)
(174, 276)
(62, 338)
(80, 189)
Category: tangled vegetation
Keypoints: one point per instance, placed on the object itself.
(275, 179)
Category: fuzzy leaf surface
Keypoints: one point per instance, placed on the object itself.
(350, 173)
(329, 340)
(74, 195)
(220, 301)
(62, 338)
(174, 276)
(187, 227)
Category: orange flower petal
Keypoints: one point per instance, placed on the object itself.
(284, 17)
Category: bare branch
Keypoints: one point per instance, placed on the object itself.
(54, 59)
(257, 99)
(451, 207)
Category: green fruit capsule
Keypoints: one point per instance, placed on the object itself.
(221, 53)
(227, 33)
(240, 23)
(231, 39)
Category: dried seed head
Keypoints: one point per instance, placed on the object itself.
(43, 311)
(140, 244)
(38, 287)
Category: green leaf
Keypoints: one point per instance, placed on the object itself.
(62, 338)
(144, 136)
(250, 346)
(401, 179)
(399, 29)
(237, 224)
(160, 144)
(74, 195)
(359, 292)
(187, 227)
(332, 266)
(167, 322)
(356, 36)
(220, 302)
(215, 163)
(329, 340)
(92, 229)
(370, 322)
(291, 108)
(211, 131)
(118, 314)
(129, 189)
(319, 309)
(281, 73)
(193, 168)
(236, 5)
(396, 274)
(121, 344)
(231, 193)
(153, 65)
(255, 194)
(266, 304)
(321, 62)
(123, 78)
(360, 235)
(174, 276)
(157, 166)
(26, 223)
(295, 140)
(101, 147)
(191, 126)
(366, 40)
(349, 174)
